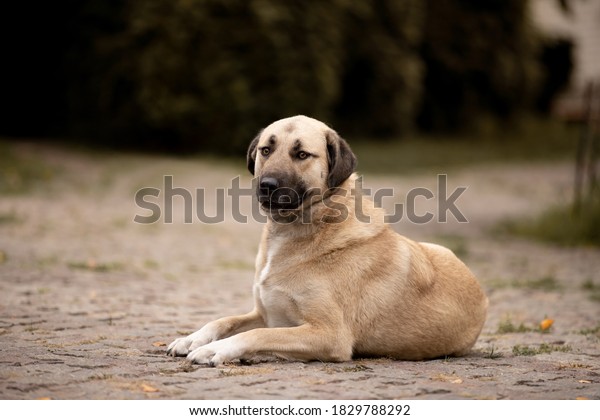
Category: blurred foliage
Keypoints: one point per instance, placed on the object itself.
(531, 140)
(561, 225)
(207, 74)
(380, 80)
(18, 174)
(481, 62)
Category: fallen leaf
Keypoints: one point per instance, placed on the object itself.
(148, 388)
(159, 344)
(581, 398)
(546, 323)
(44, 398)
(584, 381)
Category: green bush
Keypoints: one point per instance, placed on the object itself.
(208, 74)
(482, 63)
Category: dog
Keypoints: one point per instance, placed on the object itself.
(329, 286)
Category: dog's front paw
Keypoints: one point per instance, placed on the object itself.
(179, 347)
(184, 345)
(216, 353)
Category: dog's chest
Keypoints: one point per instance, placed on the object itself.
(275, 301)
(277, 307)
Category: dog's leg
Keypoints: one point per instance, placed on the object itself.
(215, 330)
(305, 342)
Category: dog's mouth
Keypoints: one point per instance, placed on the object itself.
(284, 198)
(282, 202)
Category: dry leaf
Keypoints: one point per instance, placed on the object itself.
(159, 344)
(44, 398)
(581, 398)
(584, 381)
(148, 388)
(546, 323)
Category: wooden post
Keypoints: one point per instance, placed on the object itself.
(584, 163)
(593, 139)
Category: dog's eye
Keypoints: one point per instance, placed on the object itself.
(302, 155)
(265, 151)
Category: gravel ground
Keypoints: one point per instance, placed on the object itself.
(89, 299)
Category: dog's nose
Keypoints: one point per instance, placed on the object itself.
(268, 184)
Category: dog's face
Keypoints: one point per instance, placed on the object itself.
(297, 158)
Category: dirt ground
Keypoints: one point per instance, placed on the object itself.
(89, 299)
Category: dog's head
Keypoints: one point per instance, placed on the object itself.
(297, 158)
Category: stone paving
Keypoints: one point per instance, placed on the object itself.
(89, 299)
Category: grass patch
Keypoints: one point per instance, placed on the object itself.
(100, 377)
(9, 218)
(591, 331)
(92, 265)
(151, 264)
(572, 365)
(544, 283)
(358, 367)
(534, 140)
(593, 289)
(547, 283)
(560, 225)
(19, 174)
(31, 329)
(544, 348)
(47, 261)
(456, 243)
(493, 354)
(507, 327)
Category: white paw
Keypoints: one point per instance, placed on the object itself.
(184, 345)
(217, 352)
(179, 347)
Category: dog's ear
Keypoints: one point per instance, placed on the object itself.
(342, 161)
(251, 154)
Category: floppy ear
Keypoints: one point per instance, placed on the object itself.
(342, 161)
(251, 154)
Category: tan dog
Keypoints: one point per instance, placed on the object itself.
(329, 286)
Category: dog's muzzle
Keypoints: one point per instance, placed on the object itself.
(272, 195)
